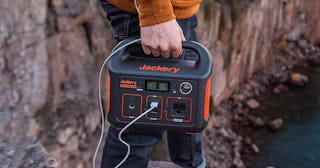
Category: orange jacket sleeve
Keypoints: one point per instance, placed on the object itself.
(155, 11)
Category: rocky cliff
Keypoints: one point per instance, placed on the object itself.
(51, 51)
(240, 35)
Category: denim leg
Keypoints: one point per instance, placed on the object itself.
(188, 27)
(185, 149)
(141, 143)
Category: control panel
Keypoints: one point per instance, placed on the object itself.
(174, 97)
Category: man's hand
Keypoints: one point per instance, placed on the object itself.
(164, 38)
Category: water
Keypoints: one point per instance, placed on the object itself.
(297, 145)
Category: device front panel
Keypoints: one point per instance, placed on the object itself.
(177, 99)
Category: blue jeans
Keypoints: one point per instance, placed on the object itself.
(185, 149)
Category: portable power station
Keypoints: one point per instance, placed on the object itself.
(181, 87)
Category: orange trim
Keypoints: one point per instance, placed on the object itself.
(207, 100)
(183, 99)
(127, 94)
(108, 90)
(161, 99)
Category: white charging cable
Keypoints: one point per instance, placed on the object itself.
(136, 6)
(152, 106)
(100, 98)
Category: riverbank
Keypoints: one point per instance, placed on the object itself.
(297, 144)
(224, 141)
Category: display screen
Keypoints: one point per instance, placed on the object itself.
(157, 86)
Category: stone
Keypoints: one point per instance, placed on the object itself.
(64, 136)
(239, 97)
(80, 166)
(280, 88)
(51, 162)
(10, 152)
(256, 121)
(298, 79)
(239, 105)
(303, 44)
(223, 132)
(257, 92)
(57, 3)
(255, 148)
(254, 84)
(249, 93)
(248, 141)
(248, 87)
(220, 121)
(296, 32)
(73, 143)
(92, 120)
(253, 104)
(275, 125)
(34, 127)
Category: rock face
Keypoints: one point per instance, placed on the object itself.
(23, 67)
(240, 34)
(51, 52)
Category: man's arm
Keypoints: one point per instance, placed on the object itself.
(160, 32)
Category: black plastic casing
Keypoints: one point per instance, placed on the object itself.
(128, 75)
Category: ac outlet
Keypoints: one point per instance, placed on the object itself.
(179, 109)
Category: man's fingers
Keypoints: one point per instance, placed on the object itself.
(165, 49)
(155, 52)
(165, 54)
(146, 50)
(172, 53)
(175, 54)
(176, 50)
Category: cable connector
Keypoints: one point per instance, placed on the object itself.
(154, 104)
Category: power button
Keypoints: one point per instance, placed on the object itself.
(185, 88)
